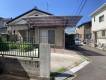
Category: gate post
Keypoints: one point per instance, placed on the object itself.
(45, 55)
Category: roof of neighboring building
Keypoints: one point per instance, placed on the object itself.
(5, 19)
(3, 27)
(1, 18)
(88, 22)
(99, 9)
(29, 12)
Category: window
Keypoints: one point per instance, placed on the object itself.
(101, 18)
(43, 36)
(103, 33)
(51, 36)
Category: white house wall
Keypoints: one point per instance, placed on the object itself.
(101, 41)
(96, 26)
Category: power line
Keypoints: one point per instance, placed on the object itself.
(82, 6)
(100, 1)
(79, 6)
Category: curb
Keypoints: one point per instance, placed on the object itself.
(77, 68)
(73, 70)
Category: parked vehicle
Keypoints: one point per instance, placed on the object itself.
(78, 42)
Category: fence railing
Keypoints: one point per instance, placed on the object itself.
(19, 49)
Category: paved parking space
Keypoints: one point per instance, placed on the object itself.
(67, 60)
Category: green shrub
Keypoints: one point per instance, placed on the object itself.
(13, 45)
(25, 47)
(3, 45)
(4, 39)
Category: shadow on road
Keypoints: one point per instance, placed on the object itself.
(85, 52)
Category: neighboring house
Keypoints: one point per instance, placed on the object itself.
(41, 27)
(99, 27)
(3, 28)
(83, 32)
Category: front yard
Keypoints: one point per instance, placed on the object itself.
(61, 63)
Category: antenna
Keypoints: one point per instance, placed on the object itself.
(47, 6)
(35, 7)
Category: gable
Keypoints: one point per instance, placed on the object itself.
(33, 12)
(99, 10)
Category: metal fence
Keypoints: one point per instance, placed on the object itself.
(19, 49)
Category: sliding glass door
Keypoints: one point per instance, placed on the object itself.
(47, 36)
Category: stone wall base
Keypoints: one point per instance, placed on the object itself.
(21, 68)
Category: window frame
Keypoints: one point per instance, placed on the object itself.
(53, 38)
(101, 18)
(103, 33)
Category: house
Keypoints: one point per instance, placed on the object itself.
(99, 27)
(41, 27)
(3, 28)
(83, 32)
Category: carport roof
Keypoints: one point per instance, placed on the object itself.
(41, 21)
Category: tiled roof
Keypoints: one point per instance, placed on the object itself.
(36, 9)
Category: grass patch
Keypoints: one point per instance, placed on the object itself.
(62, 69)
(58, 72)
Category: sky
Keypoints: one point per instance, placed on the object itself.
(13, 8)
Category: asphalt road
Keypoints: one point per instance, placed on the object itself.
(96, 70)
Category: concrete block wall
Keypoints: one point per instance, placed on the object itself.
(34, 68)
(23, 68)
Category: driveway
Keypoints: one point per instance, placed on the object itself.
(65, 60)
(96, 70)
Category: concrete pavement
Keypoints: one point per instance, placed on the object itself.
(66, 60)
